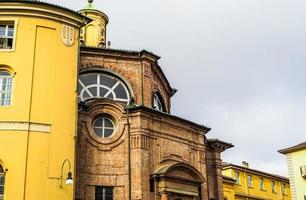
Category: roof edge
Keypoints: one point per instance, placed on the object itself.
(255, 171)
(39, 6)
(294, 148)
(140, 107)
(219, 144)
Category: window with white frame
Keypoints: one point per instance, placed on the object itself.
(284, 188)
(261, 184)
(99, 85)
(103, 126)
(250, 180)
(273, 186)
(2, 181)
(237, 178)
(6, 85)
(6, 34)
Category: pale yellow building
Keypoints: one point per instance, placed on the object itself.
(296, 161)
(38, 96)
(244, 183)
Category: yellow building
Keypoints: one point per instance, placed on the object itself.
(296, 161)
(244, 183)
(94, 33)
(38, 96)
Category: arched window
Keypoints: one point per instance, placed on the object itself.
(95, 85)
(2, 180)
(6, 85)
(158, 103)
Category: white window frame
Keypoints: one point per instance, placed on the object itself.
(3, 175)
(262, 184)
(273, 186)
(250, 180)
(15, 22)
(237, 177)
(6, 92)
(103, 127)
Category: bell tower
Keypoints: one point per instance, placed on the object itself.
(94, 33)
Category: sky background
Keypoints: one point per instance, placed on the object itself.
(238, 65)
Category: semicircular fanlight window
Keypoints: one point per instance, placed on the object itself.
(102, 86)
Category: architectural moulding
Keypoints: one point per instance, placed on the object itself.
(25, 126)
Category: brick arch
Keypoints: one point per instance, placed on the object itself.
(170, 169)
(179, 181)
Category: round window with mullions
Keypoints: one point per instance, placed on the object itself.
(103, 127)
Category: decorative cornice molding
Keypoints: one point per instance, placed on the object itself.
(25, 126)
(42, 10)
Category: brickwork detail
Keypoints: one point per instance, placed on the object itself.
(168, 150)
(139, 141)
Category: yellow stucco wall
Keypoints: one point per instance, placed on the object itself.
(298, 183)
(37, 131)
(228, 191)
(243, 191)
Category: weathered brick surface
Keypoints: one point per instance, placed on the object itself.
(158, 141)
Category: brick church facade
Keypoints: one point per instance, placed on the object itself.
(129, 146)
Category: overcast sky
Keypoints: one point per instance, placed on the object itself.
(238, 65)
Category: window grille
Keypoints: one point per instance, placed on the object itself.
(104, 193)
(102, 86)
(6, 35)
(103, 127)
(6, 84)
(2, 181)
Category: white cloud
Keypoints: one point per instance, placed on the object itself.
(239, 66)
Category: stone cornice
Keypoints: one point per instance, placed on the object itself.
(151, 111)
(42, 10)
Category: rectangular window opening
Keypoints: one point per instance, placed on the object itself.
(237, 177)
(6, 84)
(104, 193)
(152, 185)
(273, 186)
(6, 34)
(261, 183)
(250, 181)
(283, 188)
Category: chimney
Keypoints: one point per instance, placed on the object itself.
(245, 164)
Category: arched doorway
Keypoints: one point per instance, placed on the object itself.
(178, 181)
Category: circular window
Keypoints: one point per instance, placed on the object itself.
(103, 127)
